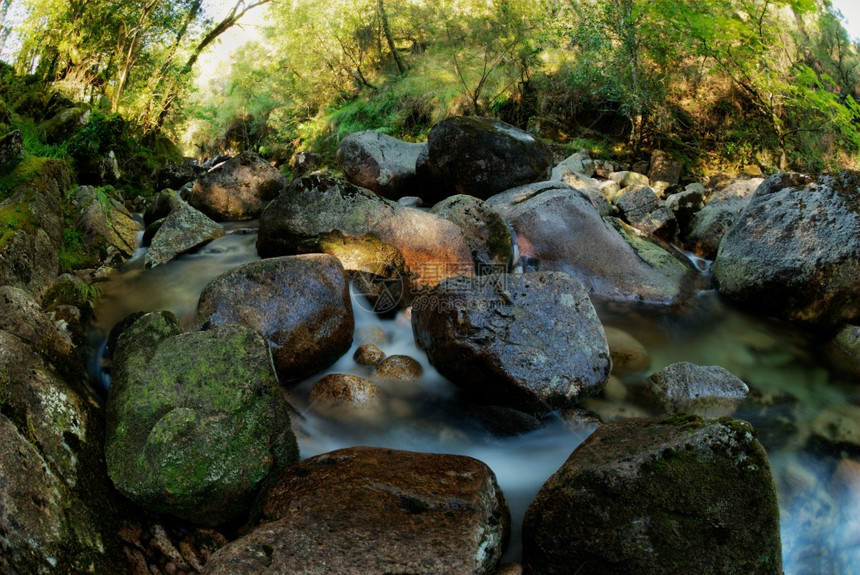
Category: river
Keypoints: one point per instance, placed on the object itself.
(805, 399)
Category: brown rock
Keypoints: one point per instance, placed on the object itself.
(368, 354)
(399, 367)
(301, 305)
(239, 189)
(375, 510)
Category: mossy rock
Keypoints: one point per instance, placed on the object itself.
(195, 421)
(675, 494)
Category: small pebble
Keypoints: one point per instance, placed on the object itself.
(368, 354)
(399, 367)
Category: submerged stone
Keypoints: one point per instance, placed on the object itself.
(710, 390)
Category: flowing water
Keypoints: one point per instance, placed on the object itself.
(805, 399)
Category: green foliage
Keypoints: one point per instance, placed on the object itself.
(768, 82)
(35, 145)
(29, 167)
(70, 290)
(73, 253)
(102, 133)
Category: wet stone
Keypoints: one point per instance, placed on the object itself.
(368, 354)
(370, 334)
(341, 390)
(400, 368)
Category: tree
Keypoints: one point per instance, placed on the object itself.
(761, 47)
(489, 45)
(101, 49)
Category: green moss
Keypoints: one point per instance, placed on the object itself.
(28, 169)
(14, 218)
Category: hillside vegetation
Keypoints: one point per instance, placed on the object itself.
(722, 84)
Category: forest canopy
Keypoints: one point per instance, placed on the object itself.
(725, 83)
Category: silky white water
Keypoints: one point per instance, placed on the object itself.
(804, 392)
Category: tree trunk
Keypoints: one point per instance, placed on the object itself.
(172, 92)
(386, 28)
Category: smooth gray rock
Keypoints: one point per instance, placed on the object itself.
(795, 251)
(380, 163)
(559, 229)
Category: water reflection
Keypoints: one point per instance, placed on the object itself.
(805, 408)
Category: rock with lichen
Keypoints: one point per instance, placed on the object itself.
(794, 253)
(58, 512)
(195, 421)
(674, 494)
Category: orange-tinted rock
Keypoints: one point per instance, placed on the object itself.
(375, 510)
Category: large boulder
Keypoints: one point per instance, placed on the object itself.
(579, 163)
(160, 206)
(558, 228)
(58, 512)
(531, 341)
(684, 205)
(31, 224)
(481, 157)
(105, 224)
(375, 510)
(195, 421)
(301, 304)
(722, 209)
(184, 230)
(318, 213)
(484, 228)
(380, 163)
(676, 494)
(238, 189)
(795, 251)
(64, 123)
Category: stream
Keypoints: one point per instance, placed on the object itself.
(804, 400)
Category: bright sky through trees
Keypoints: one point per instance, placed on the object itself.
(851, 11)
